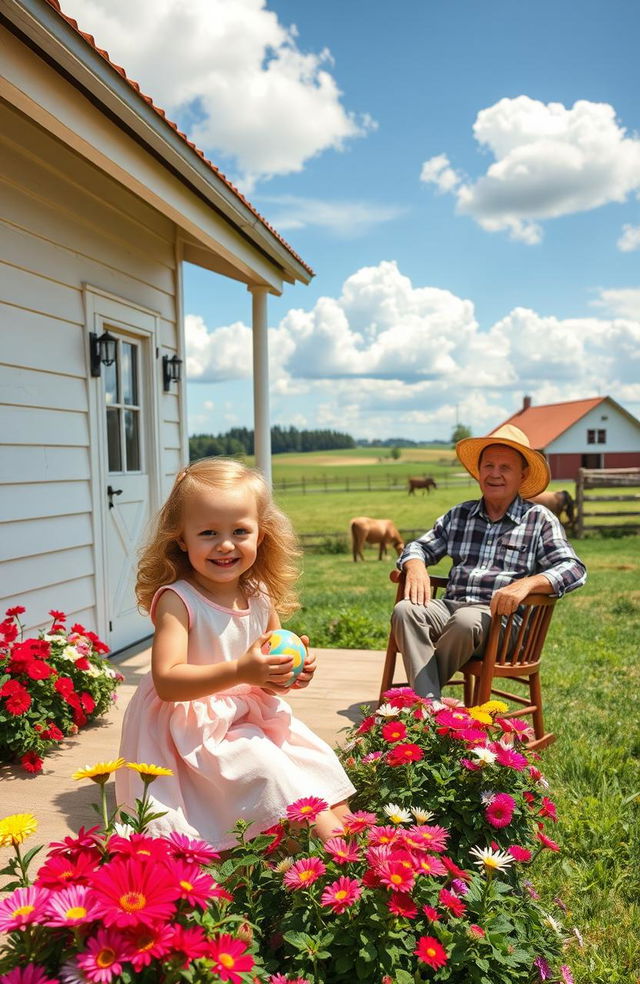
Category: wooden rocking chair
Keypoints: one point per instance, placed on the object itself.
(518, 661)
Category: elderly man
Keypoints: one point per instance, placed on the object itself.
(502, 548)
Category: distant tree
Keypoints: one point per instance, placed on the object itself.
(460, 431)
(395, 452)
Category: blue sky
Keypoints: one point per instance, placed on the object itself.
(463, 177)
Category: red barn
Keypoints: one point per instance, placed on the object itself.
(595, 433)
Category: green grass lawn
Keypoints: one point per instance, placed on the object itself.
(591, 681)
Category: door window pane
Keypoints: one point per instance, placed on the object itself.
(113, 439)
(132, 439)
(110, 376)
(129, 374)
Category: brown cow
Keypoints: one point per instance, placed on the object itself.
(366, 530)
(421, 483)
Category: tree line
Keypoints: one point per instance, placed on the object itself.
(240, 440)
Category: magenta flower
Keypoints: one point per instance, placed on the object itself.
(195, 885)
(189, 941)
(451, 902)
(430, 864)
(518, 853)
(543, 968)
(230, 958)
(499, 811)
(303, 873)
(383, 835)
(23, 907)
(306, 810)
(359, 820)
(551, 845)
(396, 875)
(342, 850)
(70, 907)
(72, 846)
(129, 892)
(145, 943)
(31, 974)
(101, 960)
(426, 837)
(548, 809)
(187, 849)
(341, 894)
(510, 758)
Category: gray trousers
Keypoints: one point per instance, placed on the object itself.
(438, 638)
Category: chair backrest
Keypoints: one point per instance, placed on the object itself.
(521, 644)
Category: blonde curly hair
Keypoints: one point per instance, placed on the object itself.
(162, 561)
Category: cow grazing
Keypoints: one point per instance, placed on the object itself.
(366, 530)
(421, 483)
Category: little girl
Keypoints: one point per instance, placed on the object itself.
(217, 568)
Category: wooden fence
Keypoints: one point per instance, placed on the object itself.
(368, 483)
(318, 541)
(606, 478)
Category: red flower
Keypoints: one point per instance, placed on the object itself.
(457, 872)
(11, 687)
(59, 871)
(130, 892)
(63, 686)
(31, 762)
(144, 943)
(80, 629)
(432, 914)
(58, 616)
(400, 697)
(88, 703)
(476, 932)
(366, 725)
(403, 754)
(547, 842)
(341, 894)
(230, 958)
(451, 902)
(548, 809)
(402, 904)
(190, 941)
(15, 611)
(431, 952)
(396, 875)
(71, 847)
(9, 630)
(394, 731)
(519, 853)
(53, 733)
(38, 670)
(82, 663)
(19, 702)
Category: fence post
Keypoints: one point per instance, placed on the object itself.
(579, 525)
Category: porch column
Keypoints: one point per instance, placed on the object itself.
(261, 421)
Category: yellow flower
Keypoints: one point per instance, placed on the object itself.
(15, 828)
(480, 715)
(494, 706)
(148, 773)
(149, 770)
(99, 772)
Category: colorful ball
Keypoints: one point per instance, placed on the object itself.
(281, 642)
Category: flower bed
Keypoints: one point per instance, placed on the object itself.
(50, 687)
(429, 881)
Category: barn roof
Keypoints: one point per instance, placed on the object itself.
(544, 424)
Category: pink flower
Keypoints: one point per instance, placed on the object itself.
(402, 904)
(548, 809)
(432, 838)
(230, 958)
(432, 914)
(451, 902)
(139, 846)
(70, 907)
(510, 759)
(543, 968)
(342, 850)
(359, 820)
(515, 726)
(187, 849)
(499, 812)
(23, 907)
(130, 891)
(400, 697)
(396, 875)
(519, 853)
(405, 753)
(431, 952)
(430, 864)
(394, 731)
(383, 835)
(196, 886)
(341, 894)
(566, 975)
(145, 943)
(371, 757)
(476, 932)
(31, 974)
(303, 873)
(190, 941)
(306, 810)
(59, 871)
(547, 842)
(101, 960)
(454, 720)
(73, 846)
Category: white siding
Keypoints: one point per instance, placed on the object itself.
(64, 225)
(622, 434)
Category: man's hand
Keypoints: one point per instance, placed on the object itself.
(417, 583)
(506, 600)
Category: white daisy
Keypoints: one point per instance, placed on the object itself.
(123, 830)
(484, 755)
(553, 924)
(387, 711)
(284, 865)
(437, 705)
(491, 860)
(396, 813)
(421, 816)
(487, 797)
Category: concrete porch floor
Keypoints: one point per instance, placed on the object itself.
(344, 680)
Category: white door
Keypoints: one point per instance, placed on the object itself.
(127, 490)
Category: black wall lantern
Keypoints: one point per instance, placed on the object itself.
(171, 371)
(103, 351)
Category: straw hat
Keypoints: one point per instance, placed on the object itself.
(538, 476)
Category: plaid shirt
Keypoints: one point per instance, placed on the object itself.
(486, 556)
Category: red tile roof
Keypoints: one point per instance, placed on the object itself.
(161, 113)
(544, 424)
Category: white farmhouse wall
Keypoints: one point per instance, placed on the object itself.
(622, 434)
(65, 224)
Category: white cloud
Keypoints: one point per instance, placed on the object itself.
(344, 219)
(548, 161)
(630, 239)
(388, 358)
(232, 74)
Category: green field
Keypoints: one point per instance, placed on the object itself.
(591, 680)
